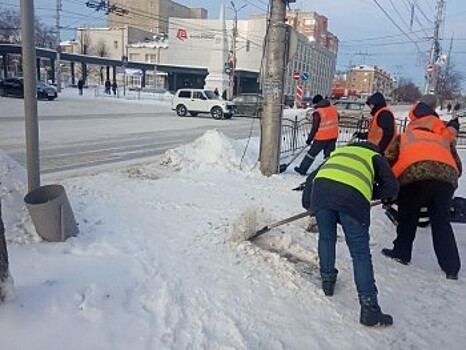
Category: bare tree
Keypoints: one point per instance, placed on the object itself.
(10, 30)
(449, 83)
(85, 43)
(101, 50)
(406, 91)
(10, 27)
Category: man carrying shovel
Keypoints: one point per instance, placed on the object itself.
(323, 135)
(342, 191)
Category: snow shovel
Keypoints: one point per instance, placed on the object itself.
(267, 228)
(283, 167)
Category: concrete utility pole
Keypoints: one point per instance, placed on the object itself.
(432, 78)
(274, 78)
(234, 43)
(30, 93)
(58, 48)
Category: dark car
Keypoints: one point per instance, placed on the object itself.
(248, 104)
(15, 87)
(306, 102)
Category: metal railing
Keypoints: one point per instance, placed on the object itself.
(295, 133)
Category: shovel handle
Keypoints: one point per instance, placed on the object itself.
(278, 223)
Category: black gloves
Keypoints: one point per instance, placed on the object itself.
(388, 201)
(454, 123)
(308, 142)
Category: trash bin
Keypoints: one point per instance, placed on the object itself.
(51, 213)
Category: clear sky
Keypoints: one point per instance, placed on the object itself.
(359, 24)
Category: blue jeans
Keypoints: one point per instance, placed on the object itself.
(357, 239)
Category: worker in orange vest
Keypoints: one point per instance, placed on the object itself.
(382, 128)
(323, 135)
(425, 161)
(422, 112)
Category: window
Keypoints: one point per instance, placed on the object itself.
(115, 44)
(184, 94)
(151, 58)
(134, 57)
(198, 95)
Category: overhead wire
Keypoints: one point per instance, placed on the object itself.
(396, 25)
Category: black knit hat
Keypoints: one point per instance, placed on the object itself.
(317, 98)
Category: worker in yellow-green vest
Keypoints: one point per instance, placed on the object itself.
(342, 191)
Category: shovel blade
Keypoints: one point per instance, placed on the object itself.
(259, 233)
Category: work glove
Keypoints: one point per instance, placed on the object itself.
(388, 201)
(308, 142)
(454, 123)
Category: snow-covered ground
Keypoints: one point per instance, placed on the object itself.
(160, 264)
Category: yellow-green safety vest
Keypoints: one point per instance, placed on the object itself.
(352, 166)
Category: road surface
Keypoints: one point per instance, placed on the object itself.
(78, 133)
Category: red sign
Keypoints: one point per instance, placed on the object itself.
(297, 75)
(299, 95)
(182, 34)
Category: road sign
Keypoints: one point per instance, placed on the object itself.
(305, 76)
(299, 95)
(297, 75)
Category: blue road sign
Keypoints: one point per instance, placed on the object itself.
(305, 76)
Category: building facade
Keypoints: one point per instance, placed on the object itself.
(202, 43)
(152, 15)
(366, 80)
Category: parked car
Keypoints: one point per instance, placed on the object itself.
(195, 101)
(352, 109)
(306, 102)
(249, 104)
(15, 87)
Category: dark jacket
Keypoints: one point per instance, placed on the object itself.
(80, 84)
(328, 194)
(385, 120)
(316, 120)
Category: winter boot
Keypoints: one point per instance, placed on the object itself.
(390, 253)
(371, 314)
(328, 282)
(305, 164)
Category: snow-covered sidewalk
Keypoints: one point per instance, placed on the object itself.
(159, 265)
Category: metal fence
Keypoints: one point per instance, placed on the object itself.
(295, 133)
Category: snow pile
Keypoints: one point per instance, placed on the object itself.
(7, 290)
(213, 150)
(156, 257)
(17, 222)
(248, 222)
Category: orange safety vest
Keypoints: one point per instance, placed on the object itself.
(433, 123)
(419, 145)
(375, 133)
(328, 127)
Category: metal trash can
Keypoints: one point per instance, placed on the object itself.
(51, 213)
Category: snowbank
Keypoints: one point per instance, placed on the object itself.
(212, 151)
(17, 221)
(155, 266)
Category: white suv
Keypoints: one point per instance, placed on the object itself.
(195, 101)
